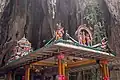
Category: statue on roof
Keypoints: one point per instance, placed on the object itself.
(22, 48)
(59, 32)
(104, 43)
(84, 35)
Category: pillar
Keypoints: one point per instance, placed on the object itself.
(9, 76)
(14, 74)
(61, 67)
(67, 74)
(104, 69)
(27, 72)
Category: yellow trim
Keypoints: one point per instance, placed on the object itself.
(69, 65)
(44, 63)
(80, 63)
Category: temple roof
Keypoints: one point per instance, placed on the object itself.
(57, 47)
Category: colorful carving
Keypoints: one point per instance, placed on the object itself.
(59, 32)
(84, 35)
(61, 56)
(22, 48)
(104, 43)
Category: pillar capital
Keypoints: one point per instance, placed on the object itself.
(61, 56)
(103, 61)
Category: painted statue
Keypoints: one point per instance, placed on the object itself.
(59, 32)
(80, 38)
(83, 38)
(104, 43)
(22, 48)
(88, 39)
(84, 35)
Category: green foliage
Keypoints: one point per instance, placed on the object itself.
(94, 17)
(91, 15)
(99, 33)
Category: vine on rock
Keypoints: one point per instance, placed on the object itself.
(94, 17)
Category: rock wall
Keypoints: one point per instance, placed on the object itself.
(113, 23)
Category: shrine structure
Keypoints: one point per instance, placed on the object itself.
(81, 51)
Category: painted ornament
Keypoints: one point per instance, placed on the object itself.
(84, 35)
(61, 56)
(104, 43)
(59, 32)
(22, 48)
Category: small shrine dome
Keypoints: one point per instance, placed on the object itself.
(24, 42)
(22, 48)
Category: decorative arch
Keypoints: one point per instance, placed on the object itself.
(84, 35)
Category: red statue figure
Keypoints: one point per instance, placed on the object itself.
(59, 32)
(88, 40)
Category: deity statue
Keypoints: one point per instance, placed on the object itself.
(59, 32)
(80, 38)
(83, 38)
(88, 39)
(84, 35)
